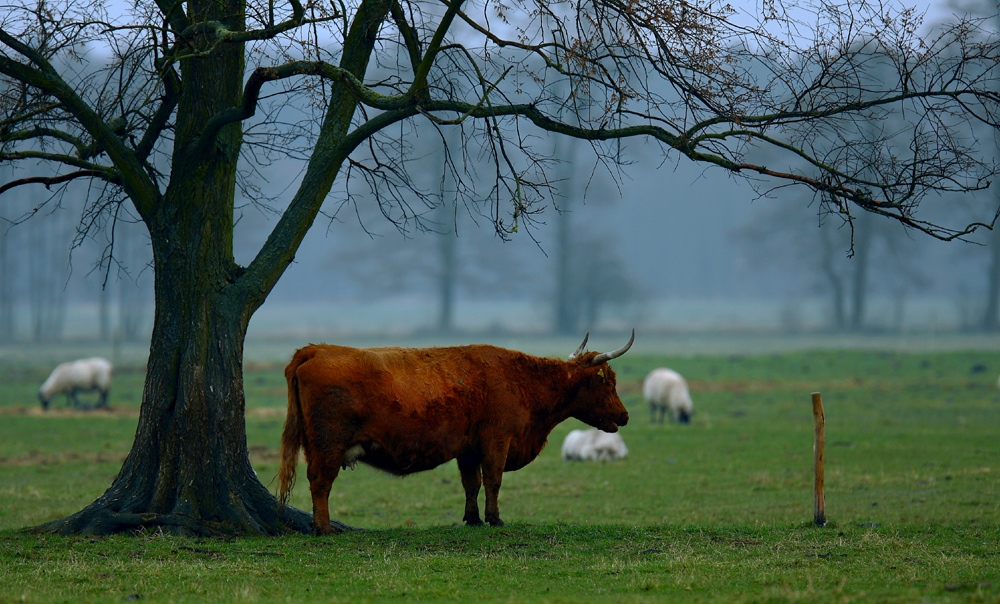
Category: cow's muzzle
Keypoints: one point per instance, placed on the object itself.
(612, 425)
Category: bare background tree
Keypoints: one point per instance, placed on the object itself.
(6, 284)
(849, 265)
(168, 109)
(990, 315)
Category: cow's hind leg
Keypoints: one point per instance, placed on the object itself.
(472, 479)
(321, 477)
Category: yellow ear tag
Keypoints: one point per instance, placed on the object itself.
(600, 372)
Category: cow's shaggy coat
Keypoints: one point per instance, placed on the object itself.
(666, 390)
(405, 410)
(593, 445)
(76, 376)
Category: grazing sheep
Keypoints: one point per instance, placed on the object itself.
(593, 445)
(74, 376)
(665, 390)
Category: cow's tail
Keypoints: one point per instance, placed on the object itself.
(291, 437)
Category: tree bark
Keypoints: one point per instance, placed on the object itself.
(189, 468)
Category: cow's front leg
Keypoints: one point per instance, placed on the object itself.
(472, 479)
(493, 464)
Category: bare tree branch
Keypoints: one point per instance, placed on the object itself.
(50, 181)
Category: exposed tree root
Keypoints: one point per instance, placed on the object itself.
(99, 519)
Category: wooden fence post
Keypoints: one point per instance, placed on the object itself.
(819, 421)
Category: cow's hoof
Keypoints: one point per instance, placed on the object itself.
(326, 530)
(476, 521)
(495, 522)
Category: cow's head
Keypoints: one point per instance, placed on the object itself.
(597, 402)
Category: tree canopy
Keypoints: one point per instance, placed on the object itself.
(700, 79)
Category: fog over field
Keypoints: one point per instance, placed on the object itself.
(674, 249)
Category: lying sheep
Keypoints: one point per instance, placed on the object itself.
(74, 376)
(593, 445)
(665, 390)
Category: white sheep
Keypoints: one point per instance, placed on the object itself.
(74, 376)
(665, 390)
(593, 445)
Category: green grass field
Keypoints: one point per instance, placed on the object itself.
(718, 511)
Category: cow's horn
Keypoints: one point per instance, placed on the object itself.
(607, 356)
(579, 349)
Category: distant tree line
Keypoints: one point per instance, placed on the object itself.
(41, 276)
(431, 246)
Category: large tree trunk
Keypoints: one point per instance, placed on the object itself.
(189, 470)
